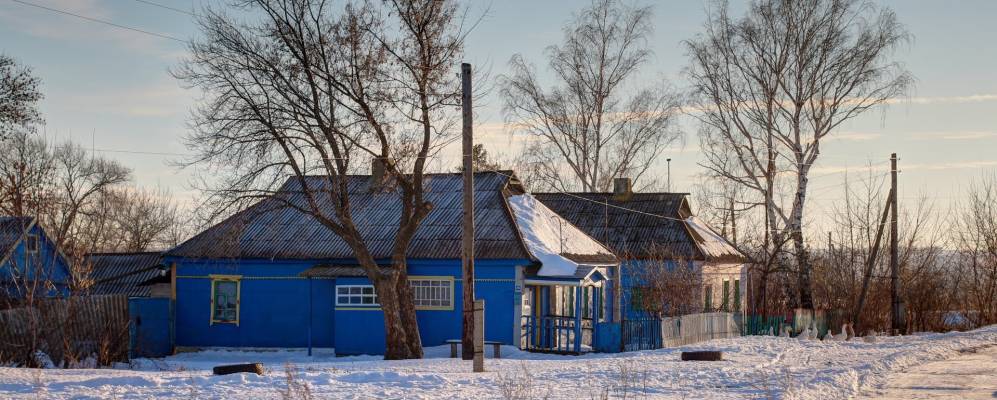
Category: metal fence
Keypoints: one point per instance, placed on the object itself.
(66, 330)
(641, 334)
(556, 334)
(693, 328)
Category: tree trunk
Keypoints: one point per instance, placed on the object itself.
(396, 337)
(406, 307)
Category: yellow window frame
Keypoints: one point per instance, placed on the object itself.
(238, 296)
(448, 279)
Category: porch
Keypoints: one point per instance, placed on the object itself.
(559, 315)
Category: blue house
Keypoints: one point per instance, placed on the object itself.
(656, 230)
(270, 276)
(31, 265)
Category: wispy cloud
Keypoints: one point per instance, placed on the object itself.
(949, 165)
(159, 99)
(853, 136)
(976, 98)
(955, 135)
(51, 25)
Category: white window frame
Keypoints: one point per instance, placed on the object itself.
(361, 296)
(445, 292)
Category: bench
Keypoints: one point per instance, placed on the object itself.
(496, 347)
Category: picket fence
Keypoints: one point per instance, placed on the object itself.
(694, 328)
(67, 330)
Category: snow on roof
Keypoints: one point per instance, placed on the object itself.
(710, 243)
(552, 240)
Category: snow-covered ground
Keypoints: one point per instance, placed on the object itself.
(754, 367)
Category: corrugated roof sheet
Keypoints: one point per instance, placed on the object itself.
(640, 233)
(271, 229)
(123, 273)
(12, 229)
(332, 271)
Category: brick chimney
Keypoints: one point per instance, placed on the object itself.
(622, 187)
(378, 170)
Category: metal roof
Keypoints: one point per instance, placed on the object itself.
(12, 230)
(634, 225)
(270, 229)
(123, 273)
(332, 271)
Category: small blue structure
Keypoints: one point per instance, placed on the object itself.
(30, 262)
(271, 276)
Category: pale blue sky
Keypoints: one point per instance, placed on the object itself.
(109, 88)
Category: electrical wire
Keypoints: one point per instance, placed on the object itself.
(100, 21)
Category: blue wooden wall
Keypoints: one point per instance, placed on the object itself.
(274, 308)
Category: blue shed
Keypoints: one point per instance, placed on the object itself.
(272, 277)
(30, 262)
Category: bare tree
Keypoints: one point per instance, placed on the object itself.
(27, 171)
(304, 88)
(667, 286)
(19, 95)
(977, 240)
(771, 85)
(591, 127)
(80, 179)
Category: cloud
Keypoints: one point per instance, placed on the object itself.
(976, 98)
(955, 135)
(47, 24)
(853, 136)
(949, 165)
(161, 99)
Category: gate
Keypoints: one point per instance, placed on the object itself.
(641, 334)
(151, 330)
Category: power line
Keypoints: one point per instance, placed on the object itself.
(99, 21)
(166, 7)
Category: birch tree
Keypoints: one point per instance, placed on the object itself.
(597, 120)
(305, 87)
(772, 84)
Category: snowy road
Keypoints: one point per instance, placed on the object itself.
(969, 376)
(753, 367)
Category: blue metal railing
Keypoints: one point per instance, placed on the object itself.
(555, 334)
(641, 334)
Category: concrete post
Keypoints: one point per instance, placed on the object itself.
(479, 336)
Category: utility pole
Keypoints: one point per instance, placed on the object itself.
(897, 314)
(467, 237)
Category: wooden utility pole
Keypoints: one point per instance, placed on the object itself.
(897, 312)
(871, 262)
(467, 237)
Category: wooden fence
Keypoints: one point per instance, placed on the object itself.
(693, 328)
(67, 330)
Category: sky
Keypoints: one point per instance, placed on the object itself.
(109, 88)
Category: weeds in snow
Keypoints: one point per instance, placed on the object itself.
(631, 381)
(519, 385)
(296, 389)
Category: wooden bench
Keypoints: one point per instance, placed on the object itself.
(496, 347)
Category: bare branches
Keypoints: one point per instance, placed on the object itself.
(590, 126)
(307, 88)
(771, 85)
(19, 95)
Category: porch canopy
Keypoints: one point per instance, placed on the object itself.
(585, 275)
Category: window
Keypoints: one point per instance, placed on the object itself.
(31, 244)
(356, 295)
(726, 299)
(708, 300)
(637, 298)
(737, 295)
(432, 293)
(225, 299)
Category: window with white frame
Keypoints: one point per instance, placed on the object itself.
(356, 295)
(432, 293)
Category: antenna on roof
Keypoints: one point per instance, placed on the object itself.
(669, 161)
